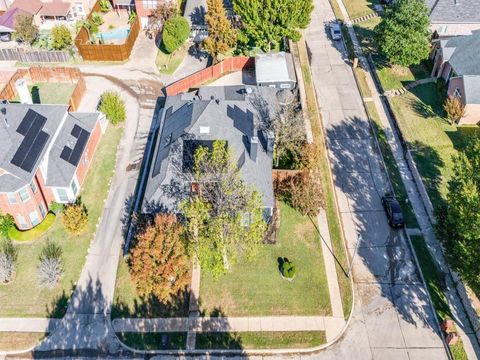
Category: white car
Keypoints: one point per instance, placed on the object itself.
(335, 31)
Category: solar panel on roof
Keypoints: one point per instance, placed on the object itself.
(74, 155)
(76, 131)
(66, 152)
(33, 142)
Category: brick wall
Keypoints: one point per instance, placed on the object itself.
(210, 73)
(88, 154)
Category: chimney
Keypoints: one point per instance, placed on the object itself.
(253, 148)
(270, 142)
(23, 92)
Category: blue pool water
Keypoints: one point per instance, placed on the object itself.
(120, 33)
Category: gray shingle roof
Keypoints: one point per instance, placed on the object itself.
(465, 59)
(471, 85)
(454, 11)
(60, 172)
(10, 140)
(229, 113)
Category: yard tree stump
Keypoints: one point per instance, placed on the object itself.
(447, 326)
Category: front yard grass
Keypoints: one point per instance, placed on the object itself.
(23, 297)
(359, 8)
(259, 340)
(12, 341)
(50, 93)
(168, 63)
(257, 289)
(391, 77)
(432, 139)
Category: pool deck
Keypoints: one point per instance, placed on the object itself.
(117, 20)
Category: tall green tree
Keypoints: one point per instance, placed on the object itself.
(458, 222)
(403, 36)
(175, 33)
(267, 22)
(221, 36)
(224, 219)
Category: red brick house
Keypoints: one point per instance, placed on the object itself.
(45, 154)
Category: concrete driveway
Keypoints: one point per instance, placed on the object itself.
(392, 317)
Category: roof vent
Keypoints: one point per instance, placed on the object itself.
(217, 101)
(249, 90)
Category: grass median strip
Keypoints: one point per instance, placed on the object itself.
(259, 340)
(14, 341)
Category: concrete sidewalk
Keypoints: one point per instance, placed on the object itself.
(41, 325)
(464, 328)
(331, 325)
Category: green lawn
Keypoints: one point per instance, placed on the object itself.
(432, 139)
(35, 233)
(127, 303)
(153, 341)
(168, 63)
(391, 77)
(50, 93)
(23, 297)
(358, 8)
(10, 341)
(257, 289)
(260, 340)
(434, 280)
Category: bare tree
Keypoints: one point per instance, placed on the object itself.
(164, 11)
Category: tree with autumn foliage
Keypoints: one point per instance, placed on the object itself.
(221, 35)
(159, 264)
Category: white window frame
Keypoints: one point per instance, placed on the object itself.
(26, 192)
(149, 4)
(72, 184)
(43, 210)
(458, 93)
(33, 186)
(34, 220)
(12, 198)
(21, 221)
(59, 197)
(284, 86)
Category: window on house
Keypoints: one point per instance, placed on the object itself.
(33, 186)
(24, 194)
(149, 4)
(284, 86)
(74, 187)
(12, 198)
(34, 218)
(458, 93)
(21, 222)
(43, 210)
(62, 195)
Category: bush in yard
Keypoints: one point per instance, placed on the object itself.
(25, 29)
(288, 269)
(158, 261)
(306, 158)
(404, 35)
(175, 32)
(113, 107)
(50, 269)
(8, 258)
(75, 218)
(6, 223)
(97, 18)
(105, 6)
(454, 108)
(56, 208)
(61, 37)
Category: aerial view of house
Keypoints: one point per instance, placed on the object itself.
(46, 154)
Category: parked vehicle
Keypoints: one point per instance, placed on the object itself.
(393, 210)
(335, 31)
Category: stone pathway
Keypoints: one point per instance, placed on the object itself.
(410, 86)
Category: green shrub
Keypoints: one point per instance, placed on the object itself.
(61, 37)
(113, 107)
(105, 6)
(35, 233)
(97, 18)
(50, 250)
(132, 17)
(56, 207)
(288, 269)
(75, 218)
(50, 269)
(6, 223)
(175, 32)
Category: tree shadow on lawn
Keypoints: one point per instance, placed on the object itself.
(461, 136)
(217, 339)
(430, 98)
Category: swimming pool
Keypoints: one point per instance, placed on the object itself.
(117, 34)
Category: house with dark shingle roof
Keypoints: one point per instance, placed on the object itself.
(45, 153)
(190, 120)
(454, 17)
(457, 61)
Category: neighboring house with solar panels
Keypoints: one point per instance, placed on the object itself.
(456, 60)
(45, 153)
(190, 120)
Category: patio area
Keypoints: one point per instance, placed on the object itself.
(115, 27)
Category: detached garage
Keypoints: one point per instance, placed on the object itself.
(275, 70)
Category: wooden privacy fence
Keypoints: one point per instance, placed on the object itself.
(32, 56)
(210, 73)
(106, 52)
(39, 74)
